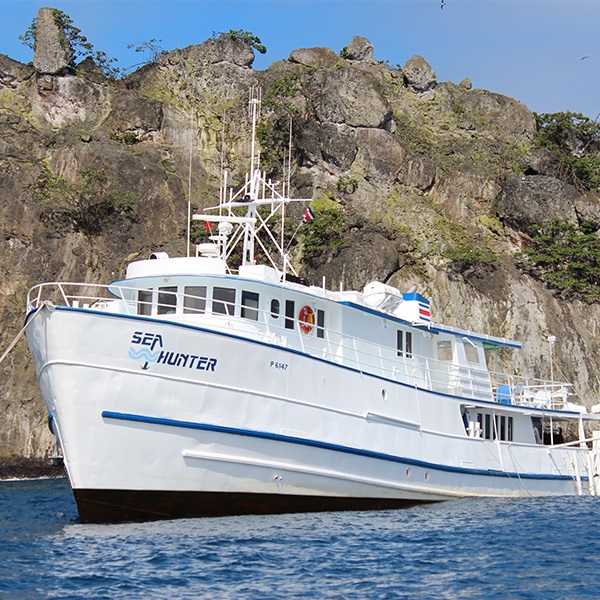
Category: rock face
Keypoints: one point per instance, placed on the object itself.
(94, 174)
(52, 51)
(528, 201)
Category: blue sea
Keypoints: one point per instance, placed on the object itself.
(476, 548)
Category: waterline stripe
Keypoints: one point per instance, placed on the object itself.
(325, 446)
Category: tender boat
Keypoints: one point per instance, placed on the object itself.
(191, 389)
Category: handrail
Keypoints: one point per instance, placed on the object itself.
(422, 371)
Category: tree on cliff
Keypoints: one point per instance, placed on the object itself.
(75, 45)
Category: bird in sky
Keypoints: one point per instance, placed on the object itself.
(584, 57)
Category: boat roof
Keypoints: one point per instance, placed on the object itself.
(487, 340)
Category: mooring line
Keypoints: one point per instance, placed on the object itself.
(14, 342)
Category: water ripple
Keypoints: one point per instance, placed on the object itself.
(481, 548)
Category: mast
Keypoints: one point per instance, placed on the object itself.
(237, 214)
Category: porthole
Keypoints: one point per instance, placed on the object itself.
(275, 308)
(408, 473)
(426, 475)
(384, 394)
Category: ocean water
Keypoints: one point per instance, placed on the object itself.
(475, 548)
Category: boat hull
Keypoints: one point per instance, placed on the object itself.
(114, 506)
(160, 420)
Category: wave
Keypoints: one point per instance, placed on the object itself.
(143, 353)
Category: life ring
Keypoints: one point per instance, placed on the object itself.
(306, 317)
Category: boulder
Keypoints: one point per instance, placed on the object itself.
(315, 58)
(418, 75)
(360, 48)
(225, 48)
(53, 53)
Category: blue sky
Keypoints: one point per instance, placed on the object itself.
(531, 50)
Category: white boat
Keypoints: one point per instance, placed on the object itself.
(191, 389)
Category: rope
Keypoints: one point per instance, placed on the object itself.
(14, 342)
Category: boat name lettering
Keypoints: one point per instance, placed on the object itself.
(143, 344)
(187, 361)
(278, 365)
(147, 339)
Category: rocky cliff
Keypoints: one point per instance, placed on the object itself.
(414, 181)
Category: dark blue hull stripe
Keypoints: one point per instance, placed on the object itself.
(327, 446)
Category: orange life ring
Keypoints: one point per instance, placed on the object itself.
(306, 317)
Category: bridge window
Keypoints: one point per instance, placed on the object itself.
(289, 314)
(250, 305)
(444, 350)
(145, 302)
(471, 353)
(404, 343)
(194, 300)
(167, 300)
(223, 301)
(320, 323)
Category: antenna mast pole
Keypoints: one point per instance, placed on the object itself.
(189, 215)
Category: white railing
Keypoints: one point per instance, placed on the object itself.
(364, 355)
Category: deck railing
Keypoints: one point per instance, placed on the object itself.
(364, 355)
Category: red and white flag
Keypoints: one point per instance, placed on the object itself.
(308, 216)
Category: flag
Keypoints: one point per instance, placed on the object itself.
(208, 226)
(308, 216)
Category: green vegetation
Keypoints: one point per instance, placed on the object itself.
(326, 231)
(467, 254)
(77, 42)
(245, 36)
(568, 255)
(85, 204)
(151, 48)
(347, 184)
(273, 137)
(574, 139)
(129, 138)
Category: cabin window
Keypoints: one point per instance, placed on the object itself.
(289, 314)
(487, 427)
(444, 350)
(275, 308)
(404, 343)
(194, 300)
(167, 300)
(471, 353)
(501, 427)
(223, 301)
(320, 323)
(145, 302)
(249, 305)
